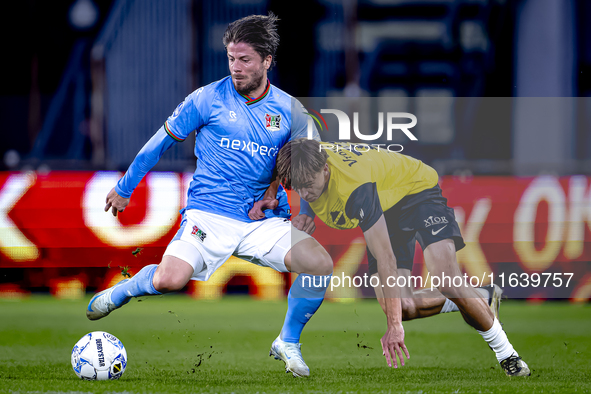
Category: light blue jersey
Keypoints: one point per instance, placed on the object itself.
(237, 141)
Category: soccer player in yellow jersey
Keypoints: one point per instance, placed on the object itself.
(395, 199)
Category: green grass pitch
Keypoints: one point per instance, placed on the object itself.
(178, 345)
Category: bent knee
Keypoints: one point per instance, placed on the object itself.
(324, 265)
(409, 309)
(321, 264)
(452, 292)
(167, 282)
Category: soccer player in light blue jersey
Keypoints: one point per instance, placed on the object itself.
(240, 122)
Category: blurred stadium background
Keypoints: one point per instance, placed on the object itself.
(87, 82)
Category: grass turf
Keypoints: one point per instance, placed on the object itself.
(179, 345)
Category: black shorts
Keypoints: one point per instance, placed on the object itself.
(423, 217)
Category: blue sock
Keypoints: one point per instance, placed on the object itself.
(304, 299)
(139, 285)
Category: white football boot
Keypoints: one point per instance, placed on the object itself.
(515, 366)
(291, 355)
(101, 305)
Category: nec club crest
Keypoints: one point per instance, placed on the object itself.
(199, 234)
(273, 122)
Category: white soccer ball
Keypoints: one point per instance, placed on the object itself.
(99, 356)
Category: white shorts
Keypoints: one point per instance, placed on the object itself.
(206, 240)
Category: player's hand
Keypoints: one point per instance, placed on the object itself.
(393, 344)
(256, 212)
(115, 202)
(304, 223)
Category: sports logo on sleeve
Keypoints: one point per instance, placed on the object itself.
(273, 122)
(177, 111)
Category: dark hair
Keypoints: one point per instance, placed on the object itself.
(299, 161)
(259, 31)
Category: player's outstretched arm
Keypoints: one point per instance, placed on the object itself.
(115, 202)
(379, 245)
(148, 156)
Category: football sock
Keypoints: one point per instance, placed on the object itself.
(449, 306)
(498, 342)
(140, 285)
(304, 299)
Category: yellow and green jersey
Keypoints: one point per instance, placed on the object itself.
(365, 184)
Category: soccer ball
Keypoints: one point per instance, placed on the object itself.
(99, 356)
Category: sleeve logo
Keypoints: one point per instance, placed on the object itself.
(177, 111)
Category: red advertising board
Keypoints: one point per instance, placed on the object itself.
(511, 225)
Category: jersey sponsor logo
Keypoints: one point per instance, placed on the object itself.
(438, 231)
(431, 220)
(347, 158)
(249, 146)
(273, 122)
(233, 116)
(199, 234)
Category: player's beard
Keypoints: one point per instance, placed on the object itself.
(257, 80)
